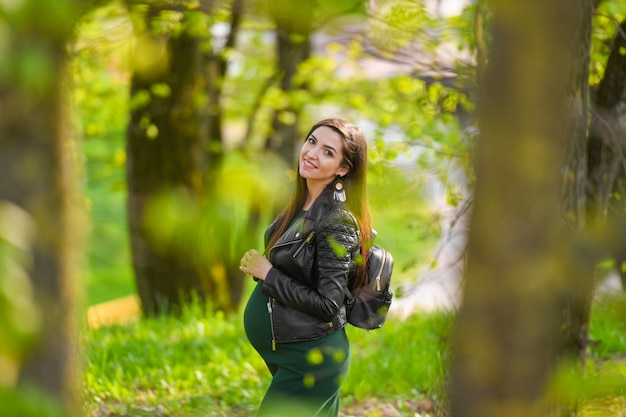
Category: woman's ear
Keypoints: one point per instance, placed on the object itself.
(343, 171)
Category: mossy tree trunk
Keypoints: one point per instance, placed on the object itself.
(37, 160)
(581, 252)
(527, 268)
(175, 149)
(166, 141)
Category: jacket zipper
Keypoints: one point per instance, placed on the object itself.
(308, 240)
(380, 271)
(270, 305)
(291, 242)
(271, 301)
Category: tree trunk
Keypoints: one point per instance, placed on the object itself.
(521, 271)
(293, 46)
(175, 144)
(37, 161)
(575, 301)
(166, 142)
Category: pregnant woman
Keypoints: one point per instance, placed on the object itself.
(295, 316)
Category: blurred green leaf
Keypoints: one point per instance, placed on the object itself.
(19, 314)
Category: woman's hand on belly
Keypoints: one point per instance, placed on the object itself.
(255, 264)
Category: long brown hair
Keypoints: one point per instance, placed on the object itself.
(354, 151)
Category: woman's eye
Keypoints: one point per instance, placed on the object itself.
(311, 140)
(328, 152)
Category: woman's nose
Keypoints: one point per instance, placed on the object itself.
(311, 153)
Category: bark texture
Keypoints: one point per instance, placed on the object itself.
(166, 140)
(522, 272)
(175, 149)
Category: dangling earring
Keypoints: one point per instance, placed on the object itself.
(340, 193)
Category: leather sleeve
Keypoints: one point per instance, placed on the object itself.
(336, 239)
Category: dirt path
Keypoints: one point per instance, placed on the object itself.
(395, 408)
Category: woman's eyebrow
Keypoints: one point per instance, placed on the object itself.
(326, 146)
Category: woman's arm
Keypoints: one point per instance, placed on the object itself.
(337, 238)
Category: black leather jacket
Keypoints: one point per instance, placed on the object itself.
(307, 283)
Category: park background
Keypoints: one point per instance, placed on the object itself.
(175, 148)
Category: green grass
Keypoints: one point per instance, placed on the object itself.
(196, 364)
(403, 358)
(202, 364)
(608, 325)
(603, 386)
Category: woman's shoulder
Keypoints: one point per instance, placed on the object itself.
(329, 213)
(343, 214)
(340, 216)
(339, 226)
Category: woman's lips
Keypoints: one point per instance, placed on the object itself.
(308, 165)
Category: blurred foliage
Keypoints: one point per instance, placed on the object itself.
(19, 315)
(405, 221)
(33, 34)
(248, 186)
(606, 23)
(29, 402)
(100, 60)
(415, 116)
(27, 28)
(101, 65)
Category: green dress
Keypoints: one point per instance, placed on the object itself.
(306, 375)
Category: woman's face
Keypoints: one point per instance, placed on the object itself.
(321, 156)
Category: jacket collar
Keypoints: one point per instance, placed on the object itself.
(322, 205)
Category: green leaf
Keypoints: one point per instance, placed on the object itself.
(161, 90)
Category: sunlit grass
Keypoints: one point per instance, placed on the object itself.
(403, 358)
(608, 325)
(606, 389)
(202, 364)
(196, 362)
(607, 366)
(604, 407)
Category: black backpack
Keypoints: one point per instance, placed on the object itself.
(367, 307)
